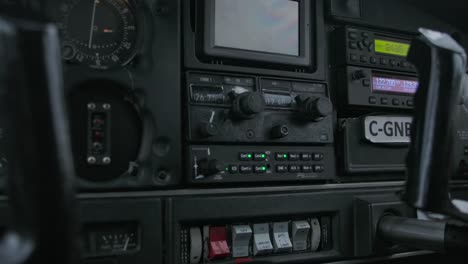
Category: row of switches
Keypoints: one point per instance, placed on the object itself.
(256, 239)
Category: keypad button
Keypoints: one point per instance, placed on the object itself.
(233, 169)
(352, 35)
(280, 156)
(259, 156)
(372, 100)
(384, 101)
(307, 168)
(306, 156)
(318, 156)
(319, 168)
(260, 168)
(243, 156)
(366, 82)
(245, 169)
(281, 168)
(353, 45)
(396, 101)
(294, 168)
(293, 156)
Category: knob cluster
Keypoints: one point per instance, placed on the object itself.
(315, 108)
(247, 105)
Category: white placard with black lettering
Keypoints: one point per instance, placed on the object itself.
(387, 129)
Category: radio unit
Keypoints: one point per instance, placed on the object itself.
(230, 108)
(355, 46)
(228, 164)
(362, 87)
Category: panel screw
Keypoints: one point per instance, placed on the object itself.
(91, 106)
(106, 160)
(91, 160)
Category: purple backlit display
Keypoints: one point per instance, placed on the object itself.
(394, 85)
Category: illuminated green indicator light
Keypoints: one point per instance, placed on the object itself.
(226, 169)
(264, 168)
(285, 156)
(249, 156)
(263, 155)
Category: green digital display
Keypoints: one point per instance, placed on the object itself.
(391, 47)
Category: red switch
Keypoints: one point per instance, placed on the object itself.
(218, 243)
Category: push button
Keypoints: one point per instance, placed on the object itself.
(306, 156)
(384, 101)
(300, 235)
(373, 60)
(233, 169)
(318, 156)
(409, 103)
(218, 247)
(245, 169)
(260, 168)
(281, 240)
(259, 156)
(366, 82)
(319, 168)
(261, 242)
(353, 57)
(241, 235)
(281, 168)
(396, 101)
(293, 156)
(281, 156)
(294, 168)
(372, 100)
(393, 63)
(352, 45)
(307, 168)
(352, 35)
(364, 59)
(245, 156)
(384, 61)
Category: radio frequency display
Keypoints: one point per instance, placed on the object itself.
(394, 85)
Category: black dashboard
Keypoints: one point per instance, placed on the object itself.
(235, 131)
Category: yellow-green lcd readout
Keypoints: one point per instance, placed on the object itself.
(391, 47)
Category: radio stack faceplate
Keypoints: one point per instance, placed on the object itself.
(226, 109)
(371, 49)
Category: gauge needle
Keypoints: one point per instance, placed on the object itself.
(92, 24)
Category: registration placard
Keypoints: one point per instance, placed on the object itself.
(388, 129)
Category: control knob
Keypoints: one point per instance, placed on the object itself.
(313, 107)
(208, 167)
(280, 131)
(247, 105)
(208, 130)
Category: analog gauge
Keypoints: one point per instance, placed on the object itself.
(98, 33)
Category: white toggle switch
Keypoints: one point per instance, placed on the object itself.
(281, 239)
(195, 245)
(241, 235)
(315, 235)
(300, 234)
(262, 243)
